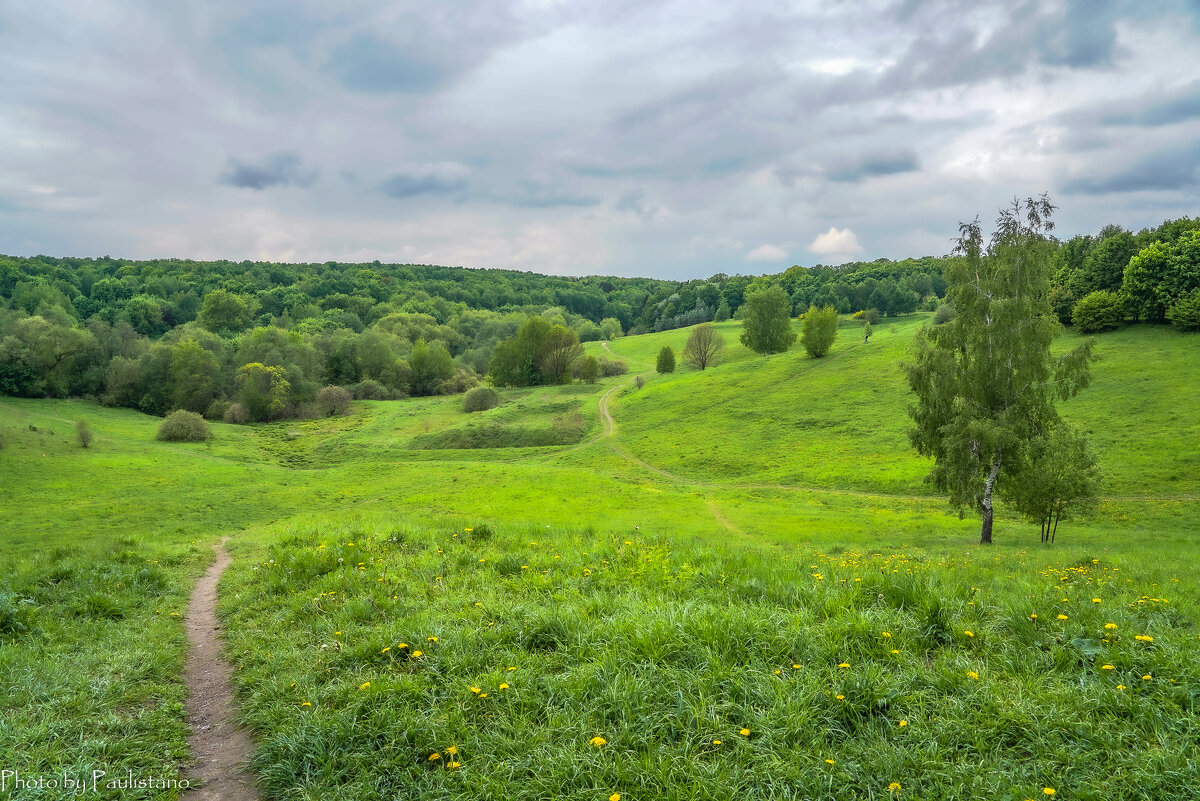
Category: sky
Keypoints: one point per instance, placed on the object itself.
(617, 137)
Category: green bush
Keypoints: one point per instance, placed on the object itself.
(237, 413)
(666, 360)
(370, 389)
(588, 369)
(216, 410)
(333, 400)
(944, 313)
(1099, 311)
(1185, 314)
(184, 426)
(481, 399)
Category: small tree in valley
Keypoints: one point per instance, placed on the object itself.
(820, 329)
(666, 360)
(767, 324)
(1061, 477)
(703, 348)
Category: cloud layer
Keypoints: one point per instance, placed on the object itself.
(674, 139)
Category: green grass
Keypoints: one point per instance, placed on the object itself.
(732, 486)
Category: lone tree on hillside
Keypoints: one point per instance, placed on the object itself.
(1061, 477)
(666, 360)
(820, 329)
(703, 348)
(985, 382)
(767, 325)
(84, 432)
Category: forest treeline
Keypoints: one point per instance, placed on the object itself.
(217, 337)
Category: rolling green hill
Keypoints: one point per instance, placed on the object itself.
(746, 548)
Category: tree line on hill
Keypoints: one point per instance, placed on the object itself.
(172, 334)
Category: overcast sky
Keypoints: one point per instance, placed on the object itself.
(618, 137)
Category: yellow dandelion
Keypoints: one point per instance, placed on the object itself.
(716, 742)
(830, 762)
(744, 732)
(402, 645)
(840, 697)
(796, 667)
(972, 674)
(903, 723)
(895, 651)
(1144, 638)
(1063, 617)
(969, 633)
(306, 703)
(385, 650)
(431, 639)
(1110, 626)
(512, 668)
(598, 742)
(1096, 600)
(434, 757)
(1121, 687)
(1048, 790)
(1107, 667)
(844, 665)
(887, 634)
(894, 787)
(477, 603)
(366, 685)
(337, 634)
(476, 690)
(483, 695)
(615, 797)
(417, 653)
(452, 750)
(453, 765)
(1147, 677)
(1033, 617)
(503, 686)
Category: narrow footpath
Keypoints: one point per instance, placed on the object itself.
(220, 748)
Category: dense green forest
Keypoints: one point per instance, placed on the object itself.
(215, 337)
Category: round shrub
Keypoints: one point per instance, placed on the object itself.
(1099, 311)
(370, 389)
(184, 426)
(944, 313)
(333, 400)
(481, 399)
(237, 413)
(1185, 314)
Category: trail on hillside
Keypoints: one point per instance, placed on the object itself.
(219, 747)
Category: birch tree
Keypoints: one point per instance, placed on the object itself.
(985, 382)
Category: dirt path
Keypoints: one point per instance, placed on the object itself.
(219, 747)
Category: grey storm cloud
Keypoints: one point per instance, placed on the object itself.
(875, 164)
(600, 136)
(426, 179)
(281, 169)
(1166, 170)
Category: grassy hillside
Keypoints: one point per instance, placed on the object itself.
(646, 581)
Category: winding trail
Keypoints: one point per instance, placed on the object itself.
(219, 746)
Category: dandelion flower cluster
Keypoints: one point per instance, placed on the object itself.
(598, 742)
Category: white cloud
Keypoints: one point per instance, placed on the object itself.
(839, 245)
(767, 253)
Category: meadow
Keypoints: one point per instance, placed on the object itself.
(742, 589)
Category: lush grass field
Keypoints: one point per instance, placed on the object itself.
(674, 572)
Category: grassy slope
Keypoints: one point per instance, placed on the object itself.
(90, 520)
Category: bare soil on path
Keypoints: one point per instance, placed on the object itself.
(219, 746)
